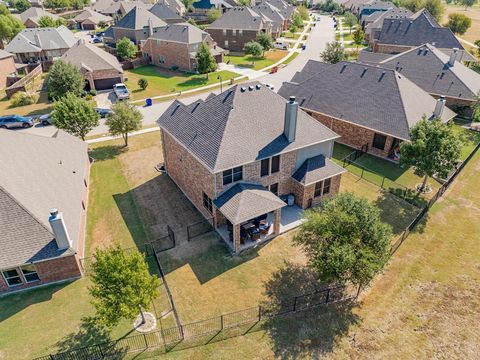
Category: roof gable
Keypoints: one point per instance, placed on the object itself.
(138, 18)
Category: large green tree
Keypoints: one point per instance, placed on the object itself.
(46, 21)
(303, 12)
(64, 78)
(297, 21)
(350, 20)
(459, 23)
(433, 149)
(345, 240)
(435, 7)
(265, 40)
(4, 10)
(75, 115)
(205, 61)
(358, 36)
(213, 14)
(126, 49)
(122, 285)
(22, 5)
(333, 53)
(9, 27)
(254, 49)
(476, 108)
(124, 119)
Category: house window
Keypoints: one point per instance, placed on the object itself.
(234, 32)
(379, 141)
(226, 43)
(270, 165)
(240, 32)
(326, 186)
(12, 277)
(161, 59)
(322, 188)
(274, 188)
(232, 175)
(318, 189)
(29, 273)
(207, 203)
(224, 31)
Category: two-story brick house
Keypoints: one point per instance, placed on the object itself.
(238, 155)
(237, 26)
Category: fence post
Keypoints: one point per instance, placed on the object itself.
(101, 351)
(52, 358)
(259, 312)
(328, 296)
(221, 322)
(181, 332)
(145, 339)
(363, 169)
(295, 303)
(383, 181)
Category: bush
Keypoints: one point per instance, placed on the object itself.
(89, 97)
(23, 98)
(142, 83)
(93, 92)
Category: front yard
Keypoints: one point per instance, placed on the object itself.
(257, 63)
(164, 82)
(42, 106)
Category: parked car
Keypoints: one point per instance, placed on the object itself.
(282, 45)
(46, 119)
(13, 121)
(103, 112)
(121, 91)
(96, 40)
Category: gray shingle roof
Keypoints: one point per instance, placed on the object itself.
(4, 54)
(183, 33)
(91, 57)
(137, 19)
(235, 127)
(376, 98)
(164, 12)
(93, 16)
(50, 39)
(272, 13)
(242, 18)
(35, 13)
(428, 67)
(102, 5)
(45, 173)
(316, 169)
(375, 21)
(244, 201)
(367, 56)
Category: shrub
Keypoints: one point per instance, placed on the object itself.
(23, 98)
(93, 92)
(142, 83)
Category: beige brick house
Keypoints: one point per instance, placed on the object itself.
(38, 243)
(240, 164)
(7, 67)
(371, 108)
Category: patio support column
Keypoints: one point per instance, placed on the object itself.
(277, 218)
(236, 238)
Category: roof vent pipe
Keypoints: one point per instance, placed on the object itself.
(453, 57)
(250, 88)
(439, 107)
(59, 230)
(290, 124)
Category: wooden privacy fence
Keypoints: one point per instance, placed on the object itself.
(24, 82)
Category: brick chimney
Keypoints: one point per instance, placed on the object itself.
(59, 229)
(290, 124)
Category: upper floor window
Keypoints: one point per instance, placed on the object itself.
(224, 31)
(207, 203)
(240, 32)
(270, 165)
(232, 175)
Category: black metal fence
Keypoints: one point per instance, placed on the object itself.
(167, 339)
(164, 243)
(199, 228)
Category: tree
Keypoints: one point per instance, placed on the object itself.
(467, 3)
(293, 29)
(297, 21)
(124, 119)
(74, 115)
(303, 12)
(22, 5)
(4, 10)
(358, 36)
(244, 3)
(434, 148)
(477, 44)
(476, 108)
(46, 21)
(205, 61)
(435, 8)
(265, 40)
(254, 49)
(122, 285)
(64, 78)
(142, 83)
(459, 23)
(9, 27)
(126, 49)
(345, 240)
(333, 53)
(350, 20)
(412, 5)
(213, 14)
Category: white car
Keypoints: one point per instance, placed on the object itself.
(121, 91)
(282, 45)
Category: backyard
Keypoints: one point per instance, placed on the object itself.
(473, 33)
(164, 82)
(257, 63)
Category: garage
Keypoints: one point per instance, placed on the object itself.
(103, 84)
(88, 26)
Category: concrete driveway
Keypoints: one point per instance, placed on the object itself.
(105, 99)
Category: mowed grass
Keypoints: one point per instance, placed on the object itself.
(42, 106)
(473, 33)
(164, 82)
(257, 63)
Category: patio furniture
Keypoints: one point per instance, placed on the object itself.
(264, 228)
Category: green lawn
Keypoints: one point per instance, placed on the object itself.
(164, 82)
(469, 138)
(290, 35)
(346, 36)
(291, 58)
(256, 63)
(42, 106)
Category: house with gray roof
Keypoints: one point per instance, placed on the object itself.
(90, 19)
(250, 171)
(438, 74)
(175, 46)
(238, 26)
(399, 34)
(372, 108)
(41, 45)
(43, 199)
(164, 12)
(100, 69)
(279, 18)
(32, 15)
(374, 22)
(137, 25)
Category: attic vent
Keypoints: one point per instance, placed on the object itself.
(363, 72)
(258, 86)
(175, 110)
(381, 76)
(250, 88)
(343, 68)
(243, 89)
(195, 107)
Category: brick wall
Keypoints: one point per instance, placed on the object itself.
(235, 42)
(353, 135)
(305, 194)
(7, 67)
(175, 54)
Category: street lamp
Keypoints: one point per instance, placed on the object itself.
(221, 86)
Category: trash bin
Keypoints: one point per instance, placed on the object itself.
(304, 47)
(148, 102)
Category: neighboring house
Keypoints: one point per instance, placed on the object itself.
(90, 20)
(36, 3)
(372, 7)
(38, 243)
(354, 5)
(437, 74)
(31, 16)
(127, 6)
(41, 45)
(175, 47)
(371, 108)
(176, 6)
(374, 22)
(285, 8)
(398, 35)
(238, 26)
(279, 21)
(100, 69)
(139, 24)
(236, 155)
(7, 67)
(166, 14)
(108, 8)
